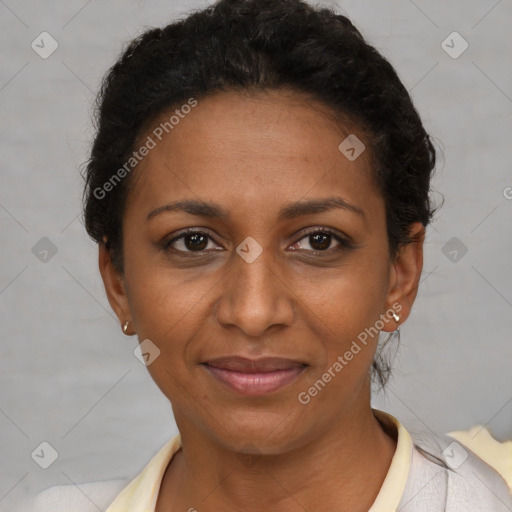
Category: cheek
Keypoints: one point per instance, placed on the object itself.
(172, 311)
(346, 311)
(163, 300)
(349, 298)
(165, 312)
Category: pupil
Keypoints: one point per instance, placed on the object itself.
(198, 241)
(321, 239)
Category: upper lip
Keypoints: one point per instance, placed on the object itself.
(243, 364)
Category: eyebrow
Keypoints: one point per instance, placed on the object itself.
(289, 211)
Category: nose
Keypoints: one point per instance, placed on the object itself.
(255, 297)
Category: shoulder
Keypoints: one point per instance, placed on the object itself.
(464, 480)
(117, 494)
(496, 454)
(86, 497)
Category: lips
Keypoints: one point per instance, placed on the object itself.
(254, 377)
(244, 365)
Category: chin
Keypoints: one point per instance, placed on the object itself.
(265, 433)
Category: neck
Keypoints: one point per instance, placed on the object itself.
(340, 469)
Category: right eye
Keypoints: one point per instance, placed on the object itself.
(190, 242)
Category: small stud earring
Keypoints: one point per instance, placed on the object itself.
(396, 317)
(125, 327)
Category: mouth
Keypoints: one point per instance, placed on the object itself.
(254, 377)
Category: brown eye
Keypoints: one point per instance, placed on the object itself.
(320, 240)
(195, 241)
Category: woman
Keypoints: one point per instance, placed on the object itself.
(259, 190)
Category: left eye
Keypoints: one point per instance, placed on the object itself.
(319, 241)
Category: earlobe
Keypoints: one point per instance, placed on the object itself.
(114, 285)
(406, 272)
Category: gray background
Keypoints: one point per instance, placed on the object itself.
(68, 376)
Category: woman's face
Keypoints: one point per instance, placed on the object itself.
(259, 174)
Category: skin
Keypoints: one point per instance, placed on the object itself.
(253, 154)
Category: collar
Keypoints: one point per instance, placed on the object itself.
(142, 492)
(394, 484)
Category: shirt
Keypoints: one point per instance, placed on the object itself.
(142, 492)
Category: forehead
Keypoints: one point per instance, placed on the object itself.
(250, 147)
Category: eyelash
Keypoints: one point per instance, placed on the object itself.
(343, 243)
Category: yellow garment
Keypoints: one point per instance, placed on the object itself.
(498, 455)
(142, 492)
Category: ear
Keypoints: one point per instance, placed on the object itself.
(405, 273)
(114, 285)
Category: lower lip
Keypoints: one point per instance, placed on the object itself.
(256, 384)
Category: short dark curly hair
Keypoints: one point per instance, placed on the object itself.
(258, 45)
